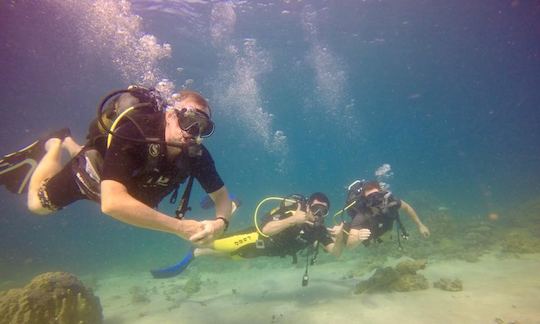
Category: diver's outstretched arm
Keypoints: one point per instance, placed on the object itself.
(423, 229)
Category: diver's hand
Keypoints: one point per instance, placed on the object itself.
(362, 234)
(300, 216)
(424, 230)
(336, 231)
(211, 230)
(188, 227)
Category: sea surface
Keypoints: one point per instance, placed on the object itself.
(438, 99)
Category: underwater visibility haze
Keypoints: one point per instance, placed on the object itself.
(437, 99)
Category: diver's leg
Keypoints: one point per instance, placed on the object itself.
(208, 251)
(49, 165)
(16, 168)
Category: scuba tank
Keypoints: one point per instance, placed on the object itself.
(121, 104)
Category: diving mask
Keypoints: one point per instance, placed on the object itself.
(195, 122)
(375, 199)
(319, 210)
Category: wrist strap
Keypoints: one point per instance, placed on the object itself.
(226, 221)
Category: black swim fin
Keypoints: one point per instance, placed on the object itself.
(16, 168)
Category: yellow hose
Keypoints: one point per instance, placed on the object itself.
(260, 204)
(341, 212)
(113, 126)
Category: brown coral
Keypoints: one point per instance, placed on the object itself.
(449, 284)
(410, 282)
(520, 241)
(53, 297)
(410, 266)
(401, 278)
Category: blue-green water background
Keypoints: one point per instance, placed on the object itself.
(447, 92)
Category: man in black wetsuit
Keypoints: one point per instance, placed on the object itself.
(296, 225)
(128, 169)
(285, 231)
(376, 210)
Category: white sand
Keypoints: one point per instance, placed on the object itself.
(506, 289)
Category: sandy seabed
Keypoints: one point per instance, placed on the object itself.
(494, 291)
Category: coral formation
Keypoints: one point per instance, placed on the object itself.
(410, 266)
(380, 281)
(520, 241)
(410, 282)
(449, 284)
(401, 278)
(52, 297)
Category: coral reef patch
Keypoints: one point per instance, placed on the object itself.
(449, 284)
(402, 277)
(52, 297)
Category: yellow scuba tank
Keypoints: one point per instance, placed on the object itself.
(233, 243)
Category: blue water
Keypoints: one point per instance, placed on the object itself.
(446, 92)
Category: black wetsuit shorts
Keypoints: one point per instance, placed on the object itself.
(77, 180)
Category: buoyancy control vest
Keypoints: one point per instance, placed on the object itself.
(381, 221)
(137, 105)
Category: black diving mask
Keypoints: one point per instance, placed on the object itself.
(195, 122)
(375, 199)
(319, 210)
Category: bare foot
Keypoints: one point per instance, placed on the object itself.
(71, 146)
(52, 143)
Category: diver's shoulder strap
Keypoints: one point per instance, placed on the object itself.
(183, 207)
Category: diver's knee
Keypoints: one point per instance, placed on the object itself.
(71, 146)
(38, 209)
(35, 206)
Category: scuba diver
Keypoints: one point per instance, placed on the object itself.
(296, 224)
(373, 208)
(139, 149)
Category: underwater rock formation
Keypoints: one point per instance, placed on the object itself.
(449, 284)
(520, 241)
(410, 266)
(380, 281)
(401, 278)
(410, 282)
(52, 297)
